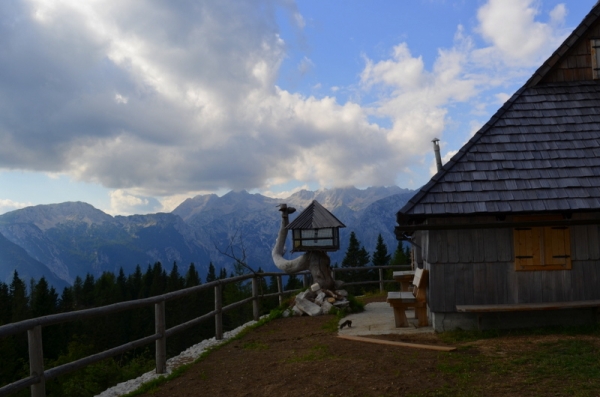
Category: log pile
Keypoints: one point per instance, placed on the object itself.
(316, 301)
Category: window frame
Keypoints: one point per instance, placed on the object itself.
(542, 248)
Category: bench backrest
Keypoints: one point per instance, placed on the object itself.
(420, 284)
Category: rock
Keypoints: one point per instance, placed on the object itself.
(342, 292)
(308, 294)
(320, 298)
(331, 300)
(315, 287)
(326, 307)
(339, 284)
(342, 303)
(308, 307)
(296, 311)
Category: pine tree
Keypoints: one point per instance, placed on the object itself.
(356, 256)
(19, 299)
(381, 256)
(192, 278)
(174, 282)
(211, 276)
(5, 307)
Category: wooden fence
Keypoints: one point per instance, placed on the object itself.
(38, 376)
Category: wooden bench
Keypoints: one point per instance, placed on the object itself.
(523, 307)
(417, 299)
(405, 278)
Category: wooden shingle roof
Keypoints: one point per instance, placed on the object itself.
(540, 152)
(315, 216)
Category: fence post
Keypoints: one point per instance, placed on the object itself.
(161, 344)
(305, 280)
(255, 308)
(280, 289)
(36, 360)
(219, 312)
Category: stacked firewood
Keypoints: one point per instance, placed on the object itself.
(316, 301)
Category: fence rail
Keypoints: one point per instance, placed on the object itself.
(38, 376)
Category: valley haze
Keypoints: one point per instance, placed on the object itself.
(66, 240)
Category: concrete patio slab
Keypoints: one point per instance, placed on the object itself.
(378, 319)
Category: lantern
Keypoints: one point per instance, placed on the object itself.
(315, 229)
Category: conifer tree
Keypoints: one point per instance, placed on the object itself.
(211, 276)
(192, 278)
(381, 256)
(18, 299)
(356, 256)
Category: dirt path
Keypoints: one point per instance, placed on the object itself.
(298, 357)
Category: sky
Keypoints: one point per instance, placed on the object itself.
(134, 106)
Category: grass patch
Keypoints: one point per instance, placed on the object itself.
(317, 353)
(255, 346)
(461, 336)
(563, 366)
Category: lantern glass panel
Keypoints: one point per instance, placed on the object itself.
(314, 238)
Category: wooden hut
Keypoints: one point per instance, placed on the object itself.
(509, 227)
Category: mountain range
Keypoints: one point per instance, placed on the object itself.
(66, 240)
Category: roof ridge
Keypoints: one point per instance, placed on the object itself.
(461, 152)
(571, 40)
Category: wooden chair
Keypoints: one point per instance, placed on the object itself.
(417, 299)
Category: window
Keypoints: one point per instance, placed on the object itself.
(542, 248)
(595, 50)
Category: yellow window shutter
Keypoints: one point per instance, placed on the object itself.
(557, 247)
(527, 247)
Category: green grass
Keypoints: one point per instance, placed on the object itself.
(319, 352)
(568, 366)
(255, 346)
(461, 336)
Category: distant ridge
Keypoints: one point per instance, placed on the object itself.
(66, 240)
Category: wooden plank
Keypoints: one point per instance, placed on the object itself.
(453, 247)
(504, 237)
(491, 284)
(443, 246)
(459, 286)
(399, 344)
(536, 288)
(436, 288)
(512, 283)
(566, 288)
(590, 279)
(501, 282)
(465, 239)
(479, 283)
(549, 286)
(490, 245)
(593, 242)
(469, 285)
(577, 281)
(524, 286)
(478, 250)
(433, 248)
(581, 243)
(526, 307)
(449, 287)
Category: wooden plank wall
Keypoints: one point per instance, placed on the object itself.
(468, 267)
(577, 65)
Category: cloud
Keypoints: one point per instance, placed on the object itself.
(10, 205)
(160, 99)
(523, 41)
(126, 203)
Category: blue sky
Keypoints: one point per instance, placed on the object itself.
(135, 106)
